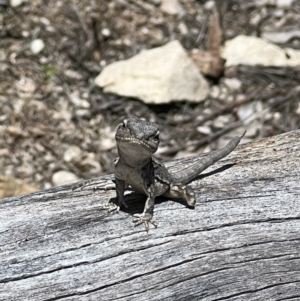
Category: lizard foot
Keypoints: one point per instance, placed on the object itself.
(111, 206)
(144, 218)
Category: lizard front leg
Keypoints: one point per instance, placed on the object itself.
(120, 188)
(146, 217)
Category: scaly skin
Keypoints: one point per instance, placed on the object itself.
(137, 140)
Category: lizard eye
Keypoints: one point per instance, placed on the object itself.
(124, 124)
(156, 137)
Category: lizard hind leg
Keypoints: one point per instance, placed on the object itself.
(179, 191)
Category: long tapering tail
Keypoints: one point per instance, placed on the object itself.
(187, 174)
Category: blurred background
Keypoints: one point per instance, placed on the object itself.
(57, 123)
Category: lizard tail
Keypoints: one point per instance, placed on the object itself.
(187, 174)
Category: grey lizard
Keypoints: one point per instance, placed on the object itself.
(137, 141)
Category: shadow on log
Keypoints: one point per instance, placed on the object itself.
(241, 242)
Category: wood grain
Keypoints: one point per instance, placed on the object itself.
(241, 242)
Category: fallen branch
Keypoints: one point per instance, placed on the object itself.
(241, 242)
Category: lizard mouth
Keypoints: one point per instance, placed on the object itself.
(135, 141)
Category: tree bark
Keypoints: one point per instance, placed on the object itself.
(241, 242)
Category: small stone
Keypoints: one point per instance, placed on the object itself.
(221, 121)
(251, 111)
(36, 46)
(92, 164)
(78, 101)
(25, 87)
(15, 3)
(73, 153)
(44, 60)
(2, 55)
(63, 177)
(145, 30)
(284, 3)
(261, 3)
(215, 92)
(298, 109)
(25, 33)
(233, 83)
(172, 7)
(183, 28)
(278, 13)
(209, 5)
(73, 74)
(107, 143)
(277, 116)
(105, 32)
(45, 21)
(156, 2)
(204, 130)
(83, 113)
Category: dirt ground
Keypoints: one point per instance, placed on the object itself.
(49, 103)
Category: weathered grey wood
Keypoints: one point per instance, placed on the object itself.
(242, 241)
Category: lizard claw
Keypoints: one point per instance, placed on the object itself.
(110, 207)
(143, 218)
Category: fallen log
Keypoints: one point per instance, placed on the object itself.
(241, 242)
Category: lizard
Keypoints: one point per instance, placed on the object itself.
(137, 140)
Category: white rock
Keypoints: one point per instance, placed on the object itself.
(215, 91)
(3, 55)
(255, 51)
(106, 143)
(92, 164)
(106, 32)
(284, 3)
(78, 101)
(158, 75)
(210, 5)
(45, 21)
(63, 177)
(172, 7)
(25, 87)
(183, 28)
(73, 153)
(253, 128)
(278, 13)
(298, 109)
(233, 83)
(156, 2)
(281, 37)
(260, 3)
(73, 74)
(221, 121)
(204, 130)
(36, 46)
(251, 111)
(15, 3)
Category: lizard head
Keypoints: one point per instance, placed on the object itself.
(137, 138)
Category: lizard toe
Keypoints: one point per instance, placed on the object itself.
(144, 218)
(110, 207)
